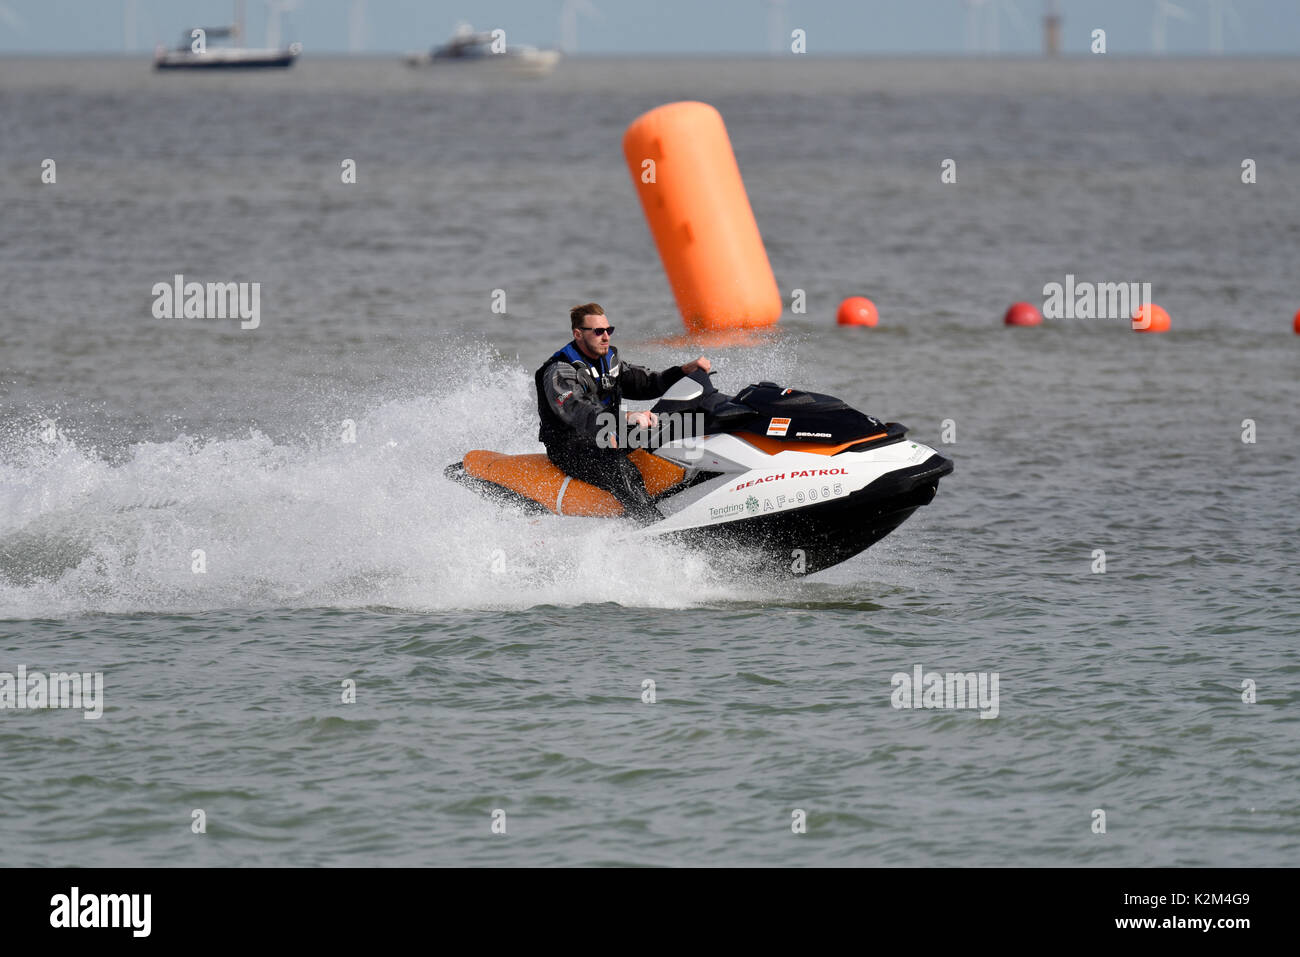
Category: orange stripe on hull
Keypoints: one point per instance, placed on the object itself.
(536, 477)
(772, 445)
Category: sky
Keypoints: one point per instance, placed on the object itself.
(612, 27)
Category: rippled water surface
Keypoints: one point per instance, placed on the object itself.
(499, 660)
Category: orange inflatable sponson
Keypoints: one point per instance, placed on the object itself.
(536, 477)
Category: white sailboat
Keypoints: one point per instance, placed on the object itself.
(231, 57)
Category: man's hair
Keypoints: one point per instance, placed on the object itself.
(589, 309)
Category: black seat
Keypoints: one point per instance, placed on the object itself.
(768, 397)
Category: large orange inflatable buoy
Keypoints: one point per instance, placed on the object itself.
(686, 176)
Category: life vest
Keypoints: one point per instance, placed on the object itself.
(601, 376)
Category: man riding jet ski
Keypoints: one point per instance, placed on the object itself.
(582, 381)
(797, 480)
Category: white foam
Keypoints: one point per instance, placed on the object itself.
(323, 523)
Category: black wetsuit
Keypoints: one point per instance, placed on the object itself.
(572, 393)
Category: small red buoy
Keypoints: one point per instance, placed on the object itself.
(1150, 319)
(1023, 314)
(1295, 324)
(857, 311)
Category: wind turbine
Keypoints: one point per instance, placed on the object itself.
(569, 22)
(1016, 17)
(1164, 10)
(274, 9)
(973, 16)
(983, 23)
(776, 26)
(128, 25)
(1217, 9)
(357, 26)
(12, 19)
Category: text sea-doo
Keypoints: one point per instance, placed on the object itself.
(799, 478)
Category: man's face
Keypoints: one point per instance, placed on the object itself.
(590, 337)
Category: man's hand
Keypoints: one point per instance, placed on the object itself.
(700, 363)
(645, 420)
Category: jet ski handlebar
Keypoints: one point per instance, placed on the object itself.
(695, 393)
(692, 386)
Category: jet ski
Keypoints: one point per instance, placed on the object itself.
(798, 480)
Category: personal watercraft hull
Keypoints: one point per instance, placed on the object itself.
(817, 536)
(799, 541)
(796, 481)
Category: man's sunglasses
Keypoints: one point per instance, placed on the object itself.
(608, 330)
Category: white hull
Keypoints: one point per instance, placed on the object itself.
(528, 63)
(224, 57)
